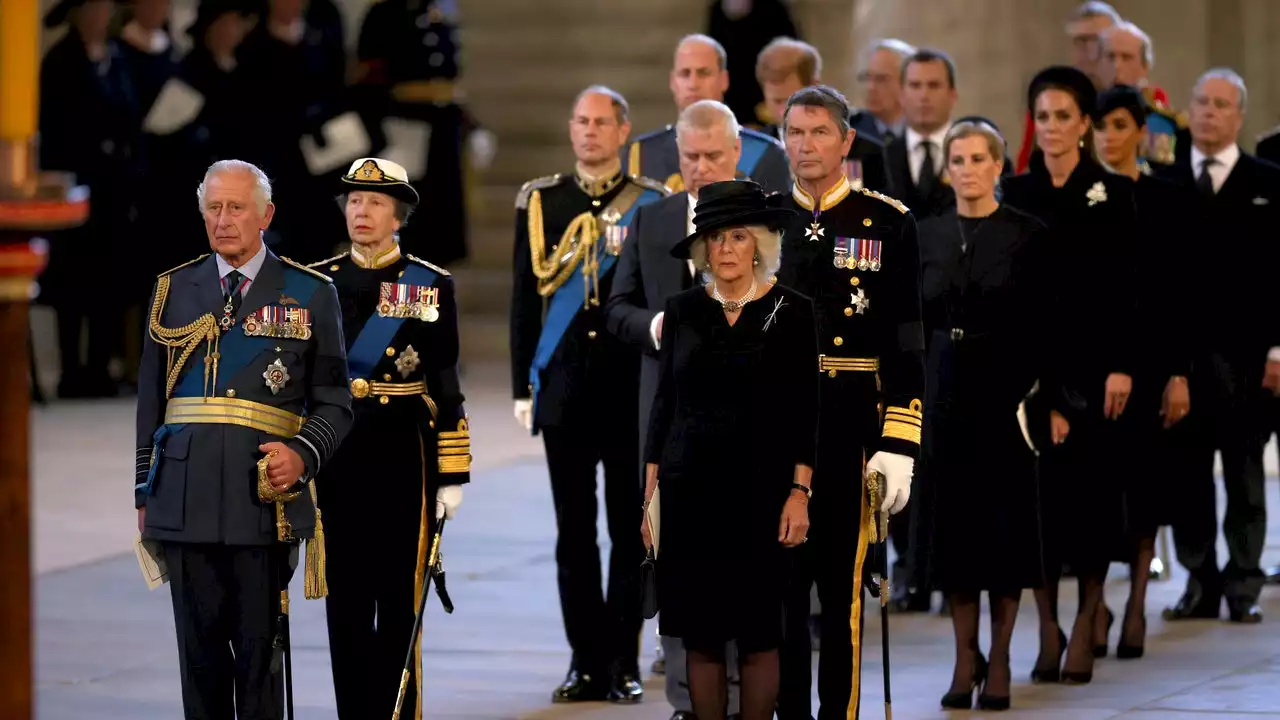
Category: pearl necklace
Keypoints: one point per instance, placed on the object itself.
(734, 305)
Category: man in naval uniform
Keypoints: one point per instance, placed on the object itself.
(855, 252)
(400, 319)
(242, 398)
(578, 386)
(698, 73)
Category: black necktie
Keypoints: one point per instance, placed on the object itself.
(1204, 182)
(231, 291)
(928, 176)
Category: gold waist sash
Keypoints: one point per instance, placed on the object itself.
(832, 364)
(361, 388)
(233, 411)
(435, 92)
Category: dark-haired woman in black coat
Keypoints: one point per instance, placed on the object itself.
(1087, 384)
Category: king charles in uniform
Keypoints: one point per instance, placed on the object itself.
(409, 452)
(855, 252)
(578, 386)
(242, 398)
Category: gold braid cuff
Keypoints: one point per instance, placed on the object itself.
(184, 341)
(453, 449)
(904, 423)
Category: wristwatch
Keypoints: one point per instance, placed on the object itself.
(808, 491)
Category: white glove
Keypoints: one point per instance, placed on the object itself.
(524, 414)
(897, 471)
(483, 146)
(448, 499)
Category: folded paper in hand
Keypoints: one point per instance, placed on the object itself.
(177, 106)
(151, 561)
(345, 140)
(407, 144)
(654, 516)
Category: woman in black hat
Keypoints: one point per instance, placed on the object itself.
(1089, 359)
(1161, 397)
(732, 438)
(981, 282)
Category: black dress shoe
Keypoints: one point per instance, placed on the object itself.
(581, 687)
(1245, 613)
(1195, 604)
(625, 687)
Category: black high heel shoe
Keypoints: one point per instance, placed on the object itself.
(992, 702)
(1132, 652)
(964, 700)
(1100, 651)
(1053, 674)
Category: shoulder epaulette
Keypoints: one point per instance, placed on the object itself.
(522, 197)
(424, 263)
(305, 269)
(902, 208)
(653, 134)
(185, 264)
(650, 183)
(335, 258)
(756, 134)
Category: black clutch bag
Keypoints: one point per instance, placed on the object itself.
(648, 588)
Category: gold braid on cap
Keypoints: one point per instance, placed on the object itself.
(577, 245)
(184, 340)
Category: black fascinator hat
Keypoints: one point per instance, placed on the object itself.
(734, 203)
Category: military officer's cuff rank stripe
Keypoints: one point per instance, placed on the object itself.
(904, 423)
(453, 449)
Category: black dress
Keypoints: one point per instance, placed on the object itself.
(736, 411)
(983, 301)
(1093, 235)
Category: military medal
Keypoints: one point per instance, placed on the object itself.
(409, 301)
(841, 258)
(814, 231)
(290, 323)
(859, 301)
(408, 361)
(866, 254)
(276, 376)
(614, 237)
(228, 310)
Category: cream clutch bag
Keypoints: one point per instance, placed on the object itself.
(653, 515)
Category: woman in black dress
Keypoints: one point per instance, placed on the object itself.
(982, 292)
(1088, 377)
(1161, 397)
(732, 438)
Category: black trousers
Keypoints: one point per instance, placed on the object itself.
(603, 629)
(372, 551)
(1228, 415)
(225, 604)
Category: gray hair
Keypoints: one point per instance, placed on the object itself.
(1231, 76)
(1124, 26)
(898, 47)
(1095, 9)
(402, 210)
(262, 185)
(705, 115)
(768, 253)
(822, 96)
(620, 107)
(722, 58)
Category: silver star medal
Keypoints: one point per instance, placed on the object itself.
(814, 232)
(859, 301)
(408, 361)
(276, 376)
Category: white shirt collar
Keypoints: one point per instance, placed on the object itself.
(249, 269)
(1226, 158)
(914, 138)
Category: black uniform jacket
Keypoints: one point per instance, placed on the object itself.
(428, 425)
(856, 253)
(205, 485)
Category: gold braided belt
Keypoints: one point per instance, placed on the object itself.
(832, 364)
(361, 389)
(233, 411)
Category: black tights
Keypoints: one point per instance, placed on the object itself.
(1079, 651)
(964, 620)
(709, 684)
(1133, 628)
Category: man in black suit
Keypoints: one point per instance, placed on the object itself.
(1269, 146)
(914, 163)
(785, 66)
(708, 138)
(1241, 197)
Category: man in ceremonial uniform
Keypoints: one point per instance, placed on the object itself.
(699, 73)
(578, 385)
(242, 398)
(400, 319)
(785, 66)
(855, 252)
(1127, 58)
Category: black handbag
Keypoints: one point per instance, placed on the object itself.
(648, 587)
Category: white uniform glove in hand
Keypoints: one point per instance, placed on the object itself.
(897, 471)
(483, 146)
(448, 499)
(524, 414)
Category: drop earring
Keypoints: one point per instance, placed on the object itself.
(756, 260)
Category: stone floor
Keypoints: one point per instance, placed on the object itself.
(105, 645)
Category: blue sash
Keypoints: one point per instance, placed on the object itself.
(235, 351)
(752, 151)
(566, 302)
(366, 351)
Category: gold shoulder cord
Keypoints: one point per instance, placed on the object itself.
(577, 245)
(184, 340)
